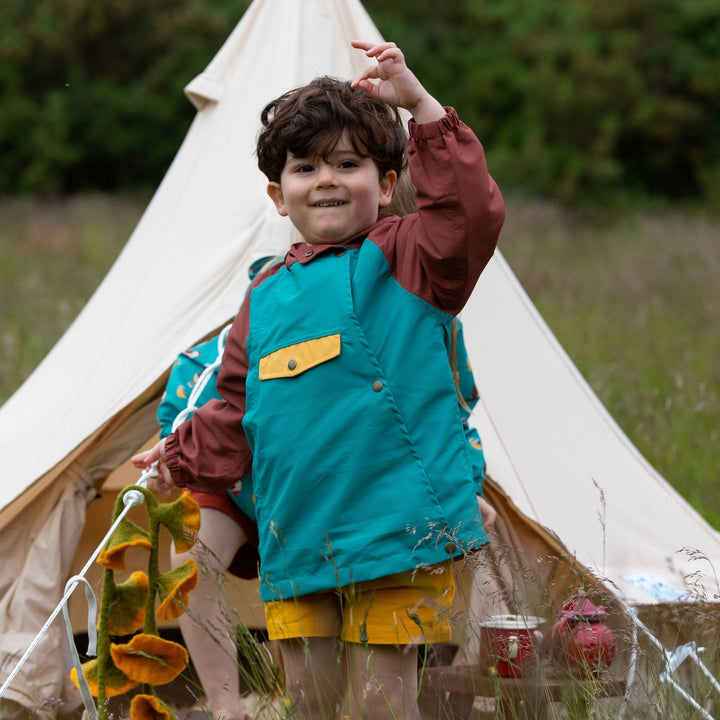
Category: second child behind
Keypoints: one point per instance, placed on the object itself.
(338, 394)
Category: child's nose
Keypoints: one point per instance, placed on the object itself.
(326, 175)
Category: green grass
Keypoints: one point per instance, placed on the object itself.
(635, 300)
(633, 297)
(54, 254)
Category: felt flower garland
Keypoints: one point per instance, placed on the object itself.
(174, 589)
(146, 659)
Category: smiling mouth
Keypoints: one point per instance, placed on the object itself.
(334, 203)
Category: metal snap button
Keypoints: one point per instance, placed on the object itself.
(450, 548)
(309, 253)
(377, 386)
(340, 253)
(292, 364)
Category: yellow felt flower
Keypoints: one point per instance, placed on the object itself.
(150, 659)
(116, 682)
(149, 707)
(182, 519)
(127, 534)
(175, 586)
(126, 605)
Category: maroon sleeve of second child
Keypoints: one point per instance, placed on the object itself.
(210, 453)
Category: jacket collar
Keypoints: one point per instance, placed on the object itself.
(303, 253)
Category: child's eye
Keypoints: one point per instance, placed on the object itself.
(347, 164)
(304, 168)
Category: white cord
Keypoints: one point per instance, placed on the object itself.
(202, 381)
(87, 697)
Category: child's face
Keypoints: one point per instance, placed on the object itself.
(330, 200)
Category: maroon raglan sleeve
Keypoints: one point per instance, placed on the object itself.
(439, 253)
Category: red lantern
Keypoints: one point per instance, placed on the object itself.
(582, 636)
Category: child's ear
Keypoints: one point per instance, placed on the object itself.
(387, 186)
(276, 195)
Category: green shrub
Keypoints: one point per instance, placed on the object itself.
(93, 88)
(574, 99)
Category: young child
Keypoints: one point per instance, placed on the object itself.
(337, 391)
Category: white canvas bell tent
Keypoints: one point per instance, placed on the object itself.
(551, 446)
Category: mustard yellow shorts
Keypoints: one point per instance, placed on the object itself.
(410, 607)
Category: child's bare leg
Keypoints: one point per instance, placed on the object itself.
(384, 682)
(314, 677)
(206, 627)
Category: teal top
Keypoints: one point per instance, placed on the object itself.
(190, 365)
(380, 481)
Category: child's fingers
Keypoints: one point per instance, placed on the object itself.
(144, 459)
(393, 54)
(365, 76)
(162, 483)
(380, 51)
(160, 486)
(371, 71)
(371, 48)
(370, 89)
(388, 65)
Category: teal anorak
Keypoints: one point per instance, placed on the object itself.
(384, 481)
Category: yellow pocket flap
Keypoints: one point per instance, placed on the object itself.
(295, 359)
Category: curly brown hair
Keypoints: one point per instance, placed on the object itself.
(310, 120)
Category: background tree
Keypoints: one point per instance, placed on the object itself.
(93, 88)
(575, 99)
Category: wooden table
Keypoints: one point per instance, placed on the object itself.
(527, 698)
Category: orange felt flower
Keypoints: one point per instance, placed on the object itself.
(182, 519)
(126, 605)
(149, 707)
(150, 659)
(116, 682)
(175, 587)
(127, 534)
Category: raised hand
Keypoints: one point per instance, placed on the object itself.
(163, 483)
(398, 85)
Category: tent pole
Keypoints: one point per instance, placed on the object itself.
(672, 660)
